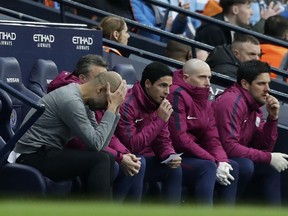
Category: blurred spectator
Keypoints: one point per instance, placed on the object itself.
(150, 15)
(114, 28)
(178, 51)
(120, 7)
(246, 137)
(143, 129)
(277, 27)
(237, 12)
(225, 59)
(193, 132)
(191, 5)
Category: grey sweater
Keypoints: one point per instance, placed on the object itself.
(66, 117)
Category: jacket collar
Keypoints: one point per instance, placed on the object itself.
(199, 94)
(143, 99)
(250, 101)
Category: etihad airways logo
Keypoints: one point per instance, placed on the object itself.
(7, 38)
(82, 43)
(43, 40)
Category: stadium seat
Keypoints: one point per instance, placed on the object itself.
(42, 73)
(10, 73)
(127, 72)
(114, 59)
(6, 131)
(19, 178)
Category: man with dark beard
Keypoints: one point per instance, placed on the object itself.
(246, 137)
(70, 112)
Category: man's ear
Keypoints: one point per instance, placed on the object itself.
(236, 53)
(101, 89)
(185, 76)
(235, 9)
(115, 35)
(147, 83)
(245, 84)
(286, 36)
(82, 78)
(189, 55)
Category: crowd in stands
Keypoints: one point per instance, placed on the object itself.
(164, 135)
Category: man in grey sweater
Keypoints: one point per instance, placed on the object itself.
(70, 112)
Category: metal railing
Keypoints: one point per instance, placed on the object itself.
(40, 108)
(170, 35)
(219, 78)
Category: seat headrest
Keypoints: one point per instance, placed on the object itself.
(10, 72)
(43, 72)
(127, 72)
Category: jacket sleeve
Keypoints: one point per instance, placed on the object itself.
(179, 25)
(230, 115)
(84, 124)
(211, 139)
(162, 146)
(184, 141)
(139, 15)
(134, 139)
(116, 148)
(266, 136)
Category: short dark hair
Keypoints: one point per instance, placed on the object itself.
(85, 62)
(177, 50)
(155, 71)
(242, 38)
(249, 70)
(227, 4)
(276, 26)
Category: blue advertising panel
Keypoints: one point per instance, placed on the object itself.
(62, 45)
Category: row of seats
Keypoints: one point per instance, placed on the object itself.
(19, 178)
(42, 73)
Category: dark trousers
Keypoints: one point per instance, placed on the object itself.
(95, 168)
(170, 179)
(258, 182)
(129, 188)
(199, 178)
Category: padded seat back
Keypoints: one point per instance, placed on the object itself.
(10, 73)
(42, 73)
